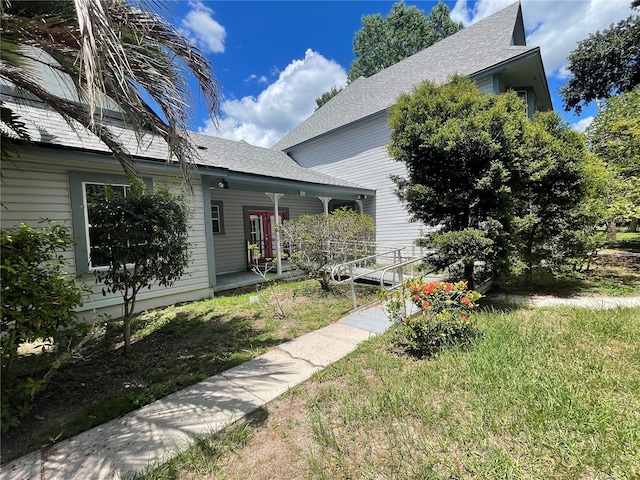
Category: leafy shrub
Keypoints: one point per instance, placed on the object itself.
(38, 297)
(38, 301)
(444, 317)
(319, 242)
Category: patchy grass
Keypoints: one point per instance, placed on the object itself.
(548, 393)
(626, 241)
(609, 274)
(172, 348)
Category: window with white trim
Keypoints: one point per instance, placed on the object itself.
(217, 217)
(94, 193)
(78, 180)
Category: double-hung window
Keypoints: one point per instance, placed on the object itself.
(87, 188)
(217, 217)
(95, 193)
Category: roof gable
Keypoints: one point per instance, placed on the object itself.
(492, 41)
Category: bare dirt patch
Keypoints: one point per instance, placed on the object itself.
(278, 449)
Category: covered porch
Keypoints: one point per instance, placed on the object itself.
(231, 281)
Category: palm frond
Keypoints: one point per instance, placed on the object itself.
(112, 52)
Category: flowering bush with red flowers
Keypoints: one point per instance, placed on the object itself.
(444, 316)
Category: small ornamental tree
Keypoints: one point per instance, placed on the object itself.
(319, 242)
(144, 239)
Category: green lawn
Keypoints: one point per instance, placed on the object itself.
(627, 241)
(547, 393)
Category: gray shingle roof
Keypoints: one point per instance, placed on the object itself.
(472, 50)
(47, 127)
(245, 158)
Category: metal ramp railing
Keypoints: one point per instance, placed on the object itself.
(388, 265)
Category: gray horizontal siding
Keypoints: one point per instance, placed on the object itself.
(485, 85)
(231, 247)
(36, 187)
(359, 154)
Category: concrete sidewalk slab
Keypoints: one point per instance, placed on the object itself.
(151, 434)
(270, 375)
(593, 302)
(327, 345)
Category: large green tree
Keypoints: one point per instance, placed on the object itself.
(604, 64)
(477, 166)
(550, 225)
(114, 51)
(406, 30)
(382, 42)
(614, 136)
(464, 156)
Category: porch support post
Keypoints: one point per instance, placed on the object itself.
(359, 202)
(325, 201)
(275, 197)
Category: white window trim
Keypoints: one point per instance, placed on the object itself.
(219, 206)
(78, 210)
(524, 95)
(85, 205)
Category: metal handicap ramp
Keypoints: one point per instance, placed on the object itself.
(371, 318)
(389, 266)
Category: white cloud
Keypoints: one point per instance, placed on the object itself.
(202, 29)
(466, 14)
(555, 26)
(582, 124)
(280, 107)
(258, 79)
(563, 73)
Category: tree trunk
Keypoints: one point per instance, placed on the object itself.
(611, 231)
(325, 283)
(633, 225)
(468, 275)
(127, 333)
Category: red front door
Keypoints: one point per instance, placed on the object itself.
(262, 235)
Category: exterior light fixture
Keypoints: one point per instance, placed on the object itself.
(223, 184)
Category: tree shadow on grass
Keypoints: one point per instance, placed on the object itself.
(542, 282)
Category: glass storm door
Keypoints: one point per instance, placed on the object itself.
(262, 234)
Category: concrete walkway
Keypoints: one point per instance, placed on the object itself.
(156, 432)
(595, 302)
(153, 434)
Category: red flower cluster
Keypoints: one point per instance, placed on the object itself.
(441, 296)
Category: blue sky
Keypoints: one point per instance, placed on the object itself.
(274, 58)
